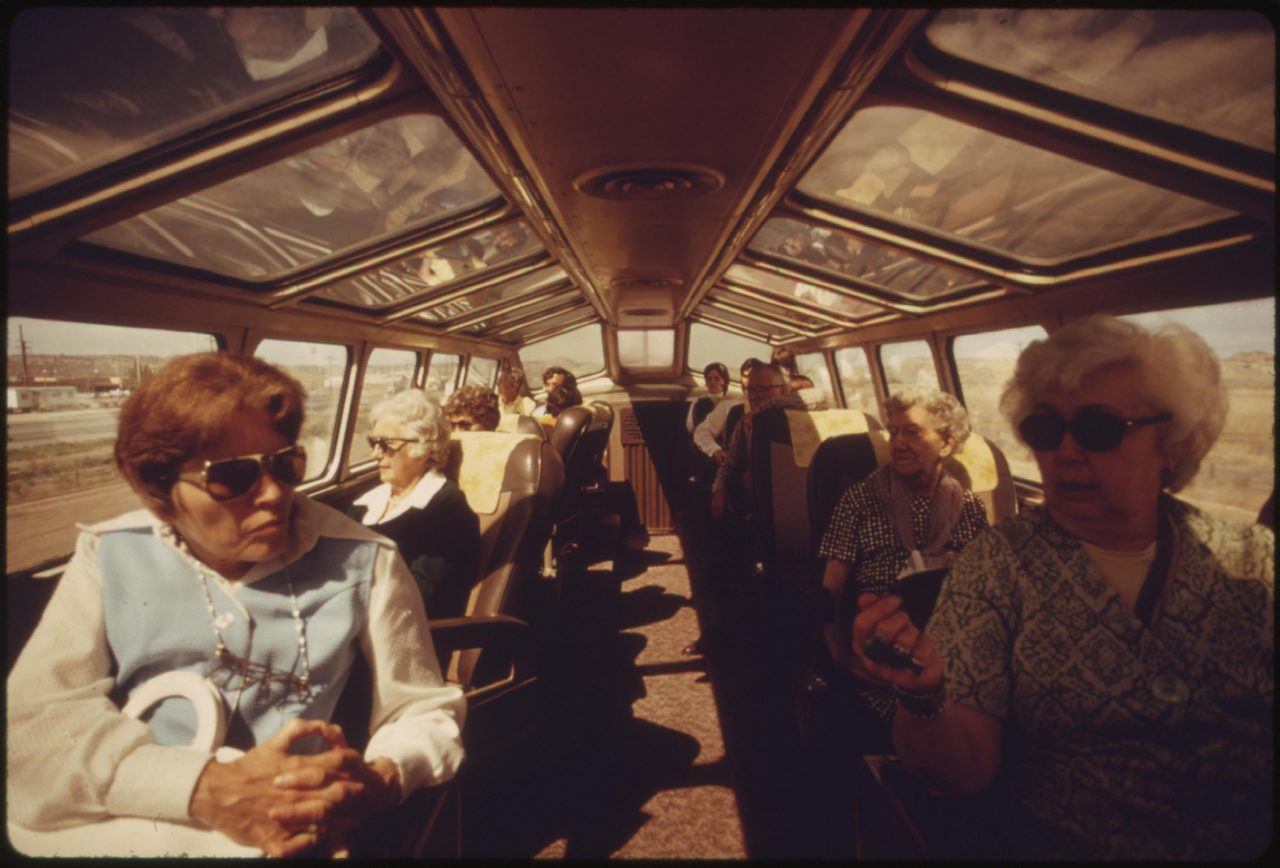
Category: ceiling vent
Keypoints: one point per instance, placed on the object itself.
(663, 181)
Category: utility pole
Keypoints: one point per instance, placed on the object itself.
(22, 342)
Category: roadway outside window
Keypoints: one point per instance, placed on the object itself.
(1238, 474)
(388, 372)
(984, 364)
(63, 402)
(322, 371)
(708, 344)
(908, 364)
(646, 348)
(442, 375)
(579, 351)
(482, 372)
(856, 384)
(814, 366)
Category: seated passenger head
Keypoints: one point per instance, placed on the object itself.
(510, 383)
(208, 444)
(473, 408)
(275, 35)
(925, 427)
(745, 368)
(1114, 413)
(556, 376)
(509, 238)
(561, 398)
(410, 436)
(765, 381)
(784, 358)
(716, 376)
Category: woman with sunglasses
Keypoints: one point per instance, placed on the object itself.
(236, 608)
(425, 514)
(1110, 653)
(909, 517)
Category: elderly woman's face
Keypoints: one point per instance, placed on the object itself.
(231, 535)
(395, 466)
(1112, 491)
(916, 446)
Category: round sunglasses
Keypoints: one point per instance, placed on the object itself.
(1093, 430)
(230, 478)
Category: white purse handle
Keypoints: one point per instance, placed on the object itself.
(211, 715)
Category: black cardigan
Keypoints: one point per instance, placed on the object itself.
(441, 545)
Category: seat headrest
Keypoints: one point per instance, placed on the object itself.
(481, 463)
(974, 467)
(810, 427)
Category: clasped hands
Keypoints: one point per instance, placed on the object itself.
(291, 805)
(884, 617)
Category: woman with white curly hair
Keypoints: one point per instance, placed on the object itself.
(1110, 653)
(910, 516)
(427, 515)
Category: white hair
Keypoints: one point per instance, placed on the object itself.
(948, 414)
(420, 416)
(1178, 373)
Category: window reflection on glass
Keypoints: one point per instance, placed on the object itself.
(1213, 70)
(646, 348)
(422, 272)
(400, 173)
(843, 254)
(708, 344)
(814, 366)
(801, 291)
(442, 375)
(389, 371)
(91, 85)
(907, 365)
(774, 311)
(945, 175)
(503, 302)
(855, 380)
(322, 370)
(984, 364)
(579, 351)
(64, 401)
(767, 331)
(1238, 474)
(481, 372)
(538, 325)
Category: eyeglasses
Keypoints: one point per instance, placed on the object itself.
(760, 390)
(1094, 430)
(384, 443)
(235, 477)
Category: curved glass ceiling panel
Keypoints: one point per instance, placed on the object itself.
(424, 272)
(581, 313)
(90, 85)
(773, 311)
(843, 254)
(1212, 70)
(773, 332)
(779, 285)
(399, 174)
(517, 312)
(498, 300)
(980, 187)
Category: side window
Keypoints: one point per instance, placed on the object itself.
(442, 375)
(579, 351)
(389, 372)
(322, 370)
(855, 380)
(814, 366)
(984, 363)
(907, 364)
(66, 382)
(1238, 474)
(482, 372)
(708, 344)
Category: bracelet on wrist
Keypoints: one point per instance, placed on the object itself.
(923, 704)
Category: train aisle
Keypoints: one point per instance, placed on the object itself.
(633, 765)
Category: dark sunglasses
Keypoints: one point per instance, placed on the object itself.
(1094, 430)
(384, 443)
(235, 477)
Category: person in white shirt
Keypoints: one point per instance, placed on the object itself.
(711, 434)
(250, 602)
(511, 385)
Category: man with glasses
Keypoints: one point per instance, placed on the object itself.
(766, 387)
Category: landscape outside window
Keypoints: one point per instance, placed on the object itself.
(579, 351)
(66, 382)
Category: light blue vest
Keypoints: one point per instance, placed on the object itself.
(157, 621)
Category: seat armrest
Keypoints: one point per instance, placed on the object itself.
(503, 636)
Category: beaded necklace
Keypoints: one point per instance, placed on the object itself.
(229, 664)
